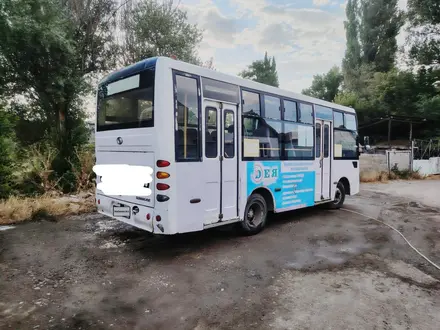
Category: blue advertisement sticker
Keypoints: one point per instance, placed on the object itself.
(292, 183)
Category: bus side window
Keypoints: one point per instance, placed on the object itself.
(326, 140)
(318, 140)
(211, 132)
(188, 137)
(229, 136)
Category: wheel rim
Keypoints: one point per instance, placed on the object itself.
(254, 215)
(338, 196)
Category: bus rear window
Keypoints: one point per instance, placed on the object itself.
(129, 105)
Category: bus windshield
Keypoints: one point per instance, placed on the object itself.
(127, 103)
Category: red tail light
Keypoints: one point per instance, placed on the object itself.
(148, 216)
(162, 163)
(158, 218)
(99, 201)
(162, 186)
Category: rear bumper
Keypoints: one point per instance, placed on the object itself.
(138, 219)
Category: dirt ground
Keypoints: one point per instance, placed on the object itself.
(310, 269)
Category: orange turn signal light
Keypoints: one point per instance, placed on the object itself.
(162, 175)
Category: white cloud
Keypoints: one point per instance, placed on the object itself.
(321, 2)
(304, 41)
(343, 5)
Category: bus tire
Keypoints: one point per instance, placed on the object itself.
(339, 197)
(255, 215)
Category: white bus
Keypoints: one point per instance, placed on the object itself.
(223, 149)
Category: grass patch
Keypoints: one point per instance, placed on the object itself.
(47, 207)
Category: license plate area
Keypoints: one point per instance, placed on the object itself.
(121, 211)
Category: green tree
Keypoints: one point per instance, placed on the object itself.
(371, 30)
(47, 48)
(158, 29)
(352, 59)
(7, 153)
(424, 17)
(380, 24)
(326, 86)
(263, 71)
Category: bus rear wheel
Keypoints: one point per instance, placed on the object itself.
(255, 215)
(339, 197)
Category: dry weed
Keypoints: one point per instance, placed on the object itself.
(18, 209)
(374, 176)
(383, 176)
(84, 171)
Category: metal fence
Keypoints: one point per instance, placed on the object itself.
(425, 149)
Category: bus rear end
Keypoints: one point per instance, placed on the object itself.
(126, 134)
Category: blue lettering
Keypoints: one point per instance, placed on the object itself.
(258, 174)
(266, 173)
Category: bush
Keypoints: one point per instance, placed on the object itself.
(35, 175)
(405, 174)
(7, 153)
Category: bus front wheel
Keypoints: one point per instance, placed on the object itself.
(255, 215)
(339, 197)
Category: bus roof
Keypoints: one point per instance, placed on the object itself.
(228, 78)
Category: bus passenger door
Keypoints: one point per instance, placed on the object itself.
(326, 159)
(211, 162)
(318, 160)
(322, 157)
(229, 163)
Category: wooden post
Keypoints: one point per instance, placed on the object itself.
(411, 153)
(389, 133)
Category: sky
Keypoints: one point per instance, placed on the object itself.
(307, 37)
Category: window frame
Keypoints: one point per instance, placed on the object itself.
(124, 126)
(249, 90)
(343, 119)
(235, 101)
(199, 118)
(328, 135)
(298, 107)
(345, 158)
(225, 112)
(207, 109)
(283, 156)
(345, 130)
(283, 113)
(263, 101)
(355, 120)
(312, 157)
(316, 140)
